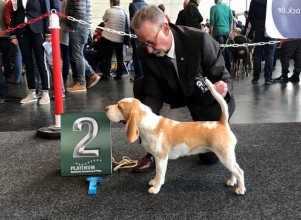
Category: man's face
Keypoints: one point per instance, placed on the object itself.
(153, 38)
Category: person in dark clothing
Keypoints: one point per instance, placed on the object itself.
(171, 57)
(181, 19)
(31, 39)
(290, 48)
(193, 15)
(133, 8)
(257, 14)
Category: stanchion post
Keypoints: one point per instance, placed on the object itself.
(54, 131)
(57, 74)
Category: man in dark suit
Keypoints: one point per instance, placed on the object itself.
(31, 38)
(171, 57)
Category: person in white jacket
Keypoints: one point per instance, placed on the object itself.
(114, 18)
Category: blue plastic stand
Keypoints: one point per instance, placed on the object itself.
(93, 184)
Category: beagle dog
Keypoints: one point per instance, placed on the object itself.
(168, 139)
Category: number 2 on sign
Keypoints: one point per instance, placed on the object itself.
(79, 150)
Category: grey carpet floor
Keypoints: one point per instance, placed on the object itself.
(31, 186)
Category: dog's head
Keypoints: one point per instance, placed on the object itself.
(128, 110)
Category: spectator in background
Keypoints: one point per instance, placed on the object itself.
(133, 8)
(205, 28)
(15, 57)
(64, 44)
(207, 23)
(78, 36)
(93, 53)
(3, 88)
(114, 18)
(4, 46)
(181, 19)
(162, 7)
(257, 14)
(247, 26)
(234, 22)
(97, 33)
(5, 69)
(193, 15)
(31, 38)
(290, 48)
(221, 25)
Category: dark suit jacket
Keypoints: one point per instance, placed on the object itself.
(181, 19)
(257, 14)
(195, 51)
(34, 9)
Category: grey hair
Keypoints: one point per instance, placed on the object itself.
(149, 13)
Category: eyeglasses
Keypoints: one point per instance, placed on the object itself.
(150, 43)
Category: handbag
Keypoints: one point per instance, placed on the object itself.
(126, 38)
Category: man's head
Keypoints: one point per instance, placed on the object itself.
(216, 1)
(185, 3)
(151, 27)
(114, 2)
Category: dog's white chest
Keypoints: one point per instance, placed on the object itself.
(183, 150)
(178, 151)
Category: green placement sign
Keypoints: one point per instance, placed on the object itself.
(85, 144)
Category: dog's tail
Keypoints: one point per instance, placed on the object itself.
(225, 115)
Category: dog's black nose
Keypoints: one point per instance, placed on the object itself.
(107, 108)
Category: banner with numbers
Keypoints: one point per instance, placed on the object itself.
(85, 144)
(283, 18)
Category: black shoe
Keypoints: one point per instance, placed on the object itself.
(103, 77)
(117, 77)
(255, 81)
(282, 79)
(294, 79)
(208, 158)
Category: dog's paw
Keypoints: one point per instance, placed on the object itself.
(231, 182)
(153, 190)
(152, 182)
(240, 190)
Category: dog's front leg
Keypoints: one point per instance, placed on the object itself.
(158, 181)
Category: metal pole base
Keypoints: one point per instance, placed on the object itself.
(50, 132)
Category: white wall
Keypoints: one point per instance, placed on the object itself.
(172, 7)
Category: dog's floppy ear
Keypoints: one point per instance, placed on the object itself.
(131, 128)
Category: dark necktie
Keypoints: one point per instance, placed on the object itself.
(171, 65)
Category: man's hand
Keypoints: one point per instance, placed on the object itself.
(221, 87)
(14, 41)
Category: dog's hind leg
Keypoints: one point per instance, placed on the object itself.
(237, 174)
(158, 181)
